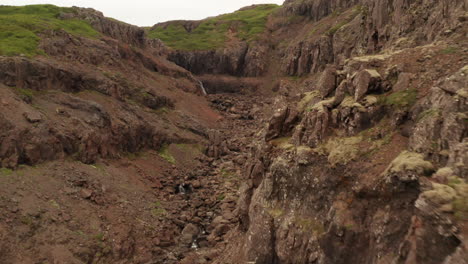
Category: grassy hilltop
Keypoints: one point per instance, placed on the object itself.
(21, 27)
(211, 33)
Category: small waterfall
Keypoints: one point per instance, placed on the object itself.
(181, 188)
(202, 87)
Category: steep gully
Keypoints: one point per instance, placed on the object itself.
(307, 182)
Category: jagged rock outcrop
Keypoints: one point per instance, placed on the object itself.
(120, 31)
(368, 27)
(319, 198)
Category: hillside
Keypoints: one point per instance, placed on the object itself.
(313, 132)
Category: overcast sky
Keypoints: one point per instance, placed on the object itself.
(150, 12)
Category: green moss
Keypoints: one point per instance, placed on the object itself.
(460, 208)
(356, 11)
(449, 50)
(157, 209)
(309, 225)
(164, 153)
(26, 94)
(433, 112)
(341, 150)
(5, 172)
(212, 32)
(193, 149)
(410, 161)
(282, 143)
(227, 174)
(401, 99)
(275, 212)
(21, 26)
(349, 102)
(307, 99)
(441, 194)
(221, 197)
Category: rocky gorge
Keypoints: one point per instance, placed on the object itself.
(313, 132)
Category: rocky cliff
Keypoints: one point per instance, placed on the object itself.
(313, 132)
(368, 163)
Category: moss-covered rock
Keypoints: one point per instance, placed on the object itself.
(408, 166)
(441, 194)
(341, 150)
(309, 98)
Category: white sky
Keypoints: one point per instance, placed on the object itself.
(150, 12)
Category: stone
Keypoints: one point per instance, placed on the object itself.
(32, 117)
(189, 233)
(86, 193)
(367, 80)
(327, 81)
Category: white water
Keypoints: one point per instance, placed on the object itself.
(202, 87)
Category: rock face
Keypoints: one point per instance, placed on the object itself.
(341, 138)
(319, 197)
(370, 27)
(238, 60)
(73, 95)
(120, 31)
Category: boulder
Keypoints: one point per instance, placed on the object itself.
(366, 81)
(189, 233)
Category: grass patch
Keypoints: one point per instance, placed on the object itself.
(21, 26)
(193, 149)
(401, 99)
(25, 94)
(307, 99)
(212, 32)
(157, 209)
(164, 153)
(275, 212)
(5, 172)
(449, 50)
(410, 161)
(221, 197)
(226, 174)
(283, 143)
(342, 150)
(432, 112)
(309, 225)
(356, 11)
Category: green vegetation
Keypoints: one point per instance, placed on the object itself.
(192, 149)
(275, 212)
(410, 161)
(309, 225)
(20, 27)
(403, 99)
(342, 150)
(221, 197)
(157, 209)
(212, 32)
(307, 99)
(164, 153)
(356, 11)
(5, 172)
(283, 143)
(432, 112)
(449, 50)
(227, 174)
